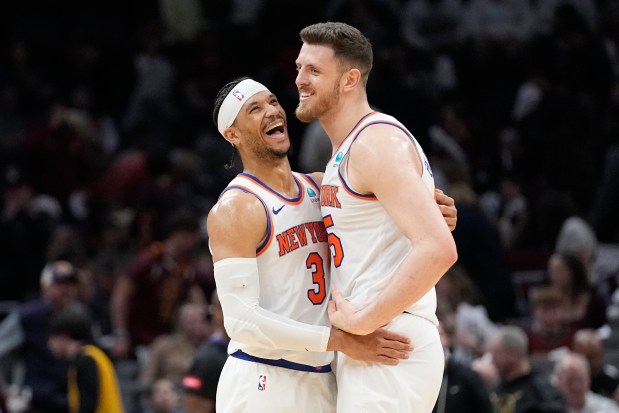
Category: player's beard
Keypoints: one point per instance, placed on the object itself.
(267, 153)
(308, 112)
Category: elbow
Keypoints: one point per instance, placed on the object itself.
(448, 255)
(247, 332)
(451, 254)
(235, 330)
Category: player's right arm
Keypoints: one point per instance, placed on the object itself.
(236, 226)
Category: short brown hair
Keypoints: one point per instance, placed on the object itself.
(350, 46)
(546, 296)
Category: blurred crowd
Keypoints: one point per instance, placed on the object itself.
(109, 161)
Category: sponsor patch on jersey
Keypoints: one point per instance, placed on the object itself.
(339, 156)
(311, 192)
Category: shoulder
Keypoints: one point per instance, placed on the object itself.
(235, 207)
(380, 141)
(86, 363)
(236, 225)
(316, 177)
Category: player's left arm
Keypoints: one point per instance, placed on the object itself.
(384, 162)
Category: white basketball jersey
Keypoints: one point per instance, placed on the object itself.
(366, 245)
(293, 262)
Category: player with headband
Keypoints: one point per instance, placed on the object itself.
(271, 257)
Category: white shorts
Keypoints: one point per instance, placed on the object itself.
(410, 387)
(247, 386)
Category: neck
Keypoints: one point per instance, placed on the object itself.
(339, 121)
(277, 175)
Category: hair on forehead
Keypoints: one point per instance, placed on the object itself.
(349, 45)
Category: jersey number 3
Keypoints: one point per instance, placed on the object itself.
(315, 264)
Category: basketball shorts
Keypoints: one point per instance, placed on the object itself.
(248, 386)
(410, 387)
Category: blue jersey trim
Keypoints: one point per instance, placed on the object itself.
(282, 363)
(268, 188)
(384, 122)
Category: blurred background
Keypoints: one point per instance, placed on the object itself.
(107, 144)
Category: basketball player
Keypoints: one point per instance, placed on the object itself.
(388, 240)
(271, 263)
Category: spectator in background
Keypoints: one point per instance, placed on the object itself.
(200, 382)
(576, 238)
(64, 152)
(520, 389)
(462, 390)
(550, 327)
(573, 381)
(161, 277)
(481, 252)
(25, 230)
(92, 385)
(471, 325)
(163, 397)
(151, 101)
(586, 307)
(604, 218)
(25, 333)
(170, 355)
(604, 377)
(431, 25)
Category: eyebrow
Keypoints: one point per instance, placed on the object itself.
(252, 102)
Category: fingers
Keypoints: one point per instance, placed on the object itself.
(395, 346)
(450, 215)
(391, 357)
(443, 199)
(390, 335)
(331, 307)
(336, 294)
(387, 361)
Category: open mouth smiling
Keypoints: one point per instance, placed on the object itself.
(275, 128)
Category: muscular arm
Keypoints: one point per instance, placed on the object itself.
(236, 226)
(446, 204)
(413, 209)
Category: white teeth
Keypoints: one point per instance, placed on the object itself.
(275, 125)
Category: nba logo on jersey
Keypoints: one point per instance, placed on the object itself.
(262, 383)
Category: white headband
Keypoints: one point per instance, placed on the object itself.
(233, 103)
